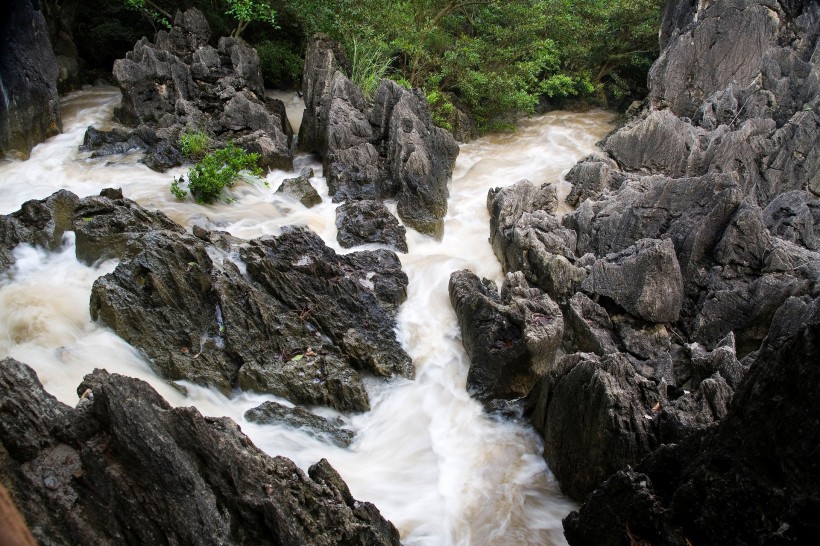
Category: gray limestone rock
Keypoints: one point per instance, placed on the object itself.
(644, 279)
(511, 337)
(299, 418)
(301, 188)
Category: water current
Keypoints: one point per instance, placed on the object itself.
(442, 470)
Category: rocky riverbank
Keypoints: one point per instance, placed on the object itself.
(687, 280)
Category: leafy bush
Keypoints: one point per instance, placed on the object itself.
(281, 66)
(369, 64)
(194, 144)
(217, 170)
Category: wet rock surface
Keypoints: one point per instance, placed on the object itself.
(301, 188)
(282, 315)
(300, 418)
(179, 82)
(29, 103)
(387, 149)
(691, 255)
(363, 222)
(511, 337)
(170, 475)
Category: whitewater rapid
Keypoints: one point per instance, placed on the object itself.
(437, 466)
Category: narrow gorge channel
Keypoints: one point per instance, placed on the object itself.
(426, 454)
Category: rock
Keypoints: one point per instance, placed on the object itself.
(592, 176)
(751, 478)
(644, 279)
(511, 337)
(170, 474)
(526, 237)
(163, 156)
(316, 380)
(30, 106)
(589, 326)
(363, 222)
(795, 216)
(301, 188)
(226, 312)
(596, 417)
(420, 159)
(179, 83)
(388, 150)
(299, 418)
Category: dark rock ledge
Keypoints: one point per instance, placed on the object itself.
(124, 467)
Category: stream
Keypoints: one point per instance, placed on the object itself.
(443, 471)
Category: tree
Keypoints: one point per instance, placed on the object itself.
(248, 11)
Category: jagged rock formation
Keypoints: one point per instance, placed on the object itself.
(29, 104)
(124, 467)
(180, 82)
(284, 315)
(389, 149)
(362, 222)
(511, 337)
(693, 238)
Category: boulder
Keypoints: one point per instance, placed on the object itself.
(596, 416)
(283, 315)
(301, 188)
(591, 177)
(511, 337)
(179, 82)
(299, 418)
(387, 149)
(644, 279)
(363, 222)
(527, 237)
(29, 103)
(170, 474)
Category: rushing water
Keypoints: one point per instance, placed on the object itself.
(437, 466)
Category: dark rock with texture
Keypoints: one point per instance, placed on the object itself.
(363, 222)
(387, 149)
(595, 414)
(284, 315)
(29, 103)
(527, 237)
(644, 279)
(179, 83)
(752, 479)
(301, 188)
(299, 418)
(511, 337)
(170, 475)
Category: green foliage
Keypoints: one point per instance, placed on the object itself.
(194, 144)
(151, 10)
(281, 65)
(369, 64)
(217, 170)
(247, 11)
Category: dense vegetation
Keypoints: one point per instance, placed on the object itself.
(490, 58)
(218, 170)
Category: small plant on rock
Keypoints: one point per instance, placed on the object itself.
(218, 170)
(194, 144)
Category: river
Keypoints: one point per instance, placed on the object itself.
(437, 466)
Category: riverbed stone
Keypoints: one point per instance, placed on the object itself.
(299, 418)
(301, 188)
(363, 222)
(511, 337)
(645, 279)
(170, 474)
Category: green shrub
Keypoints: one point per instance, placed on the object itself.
(369, 65)
(281, 65)
(194, 144)
(217, 170)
